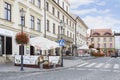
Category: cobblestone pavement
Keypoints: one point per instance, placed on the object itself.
(71, 73)
(69, 62)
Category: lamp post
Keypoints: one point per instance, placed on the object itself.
(22, 14)
(75, 47)
(45, 18)
(61, 27)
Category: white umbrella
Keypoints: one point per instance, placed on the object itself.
(83, 47)
(43, 43)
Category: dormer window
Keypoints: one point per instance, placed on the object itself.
(107, 33)
(96, 34)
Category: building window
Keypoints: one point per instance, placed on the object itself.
(39, 3)
(111, 45)
(63, 5)
(67, 21)
(32, 22)
(63, 31)
(63, 18)
(47, 6)
(98, 45)
(110, 40)
(104, 40)
(53, 28)
(58, 1)
(7, 11)
(38, 25)
(47, 25)
(32, 1)
(58, 14)
(73, 26)
(71, 35)
(22, 20)
(70, 23)
(92, 39)
(53, 10)
(98, 39)
(59, 30)
(104, 45)
(67, 8)
(67, 33)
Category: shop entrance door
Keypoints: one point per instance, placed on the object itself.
(8, 46)
(1, 45)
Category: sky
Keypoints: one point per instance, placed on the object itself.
(98, 14)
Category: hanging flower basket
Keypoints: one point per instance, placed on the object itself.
(22, 38)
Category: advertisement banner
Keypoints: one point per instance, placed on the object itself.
(54, 59)
(32, 60)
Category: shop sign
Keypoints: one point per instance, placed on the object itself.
(28, 49)
(54, 59)
(30, 60)
(6, 32)
(33, 60)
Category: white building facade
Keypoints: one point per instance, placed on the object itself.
(81, 32)
(34, 23)
(10, 24)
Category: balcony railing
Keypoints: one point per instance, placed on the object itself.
(66, 38)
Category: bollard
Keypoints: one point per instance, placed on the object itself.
(54, 65)
(41, 65)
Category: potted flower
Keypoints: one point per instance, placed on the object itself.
(22, 38)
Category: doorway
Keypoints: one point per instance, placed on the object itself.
(1, 45)
(8, 46)
(32, 50)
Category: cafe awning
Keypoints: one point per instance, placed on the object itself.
(43, 43)
(83, 47)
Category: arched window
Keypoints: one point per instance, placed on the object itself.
(96, 34)
(107, 33)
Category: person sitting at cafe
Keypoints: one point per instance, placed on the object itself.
(37, 51)
(40, 59)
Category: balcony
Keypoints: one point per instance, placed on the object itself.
(66, 38)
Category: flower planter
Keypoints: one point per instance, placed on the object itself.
(98, 54)
(22, 38)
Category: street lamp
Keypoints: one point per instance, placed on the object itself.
(22, 14)
(45, 18)
(61, 27)
(45, 7)
(75, 47)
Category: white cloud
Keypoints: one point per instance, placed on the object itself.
(101, 22)
(101, 3)
(89, 11)
(83, 12)
(97, 21)
(104, 11)
(76, 3)
(117, 5)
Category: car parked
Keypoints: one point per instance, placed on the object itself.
(113, 55)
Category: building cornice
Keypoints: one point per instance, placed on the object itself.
(56, 4)
(103, 36)
(78, 18)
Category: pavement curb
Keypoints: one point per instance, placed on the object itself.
(46, 70)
